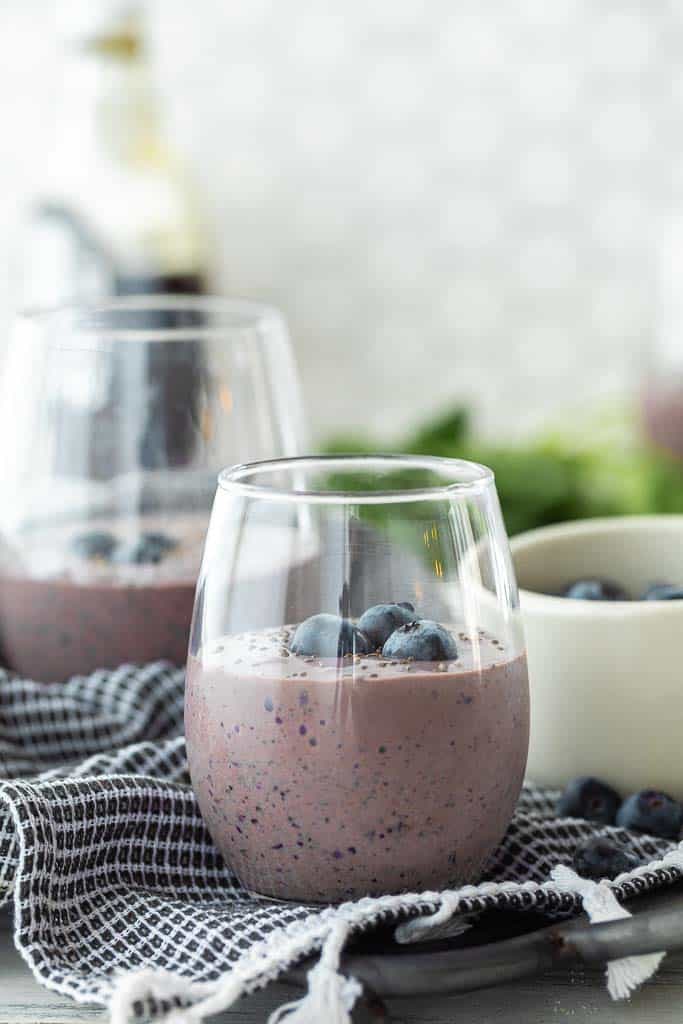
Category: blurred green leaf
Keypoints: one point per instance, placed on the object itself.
(441, 436)
(564, 474)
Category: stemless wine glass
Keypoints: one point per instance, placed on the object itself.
(357, 709)
(115, 419)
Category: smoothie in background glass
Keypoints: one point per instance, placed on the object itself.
(661, 391)
(116, 419)
(662, 413)
(357, 718)
(75, 600)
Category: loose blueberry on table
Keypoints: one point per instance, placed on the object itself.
(648, 811)
(601, 857)
(653, 813)
(589, 798)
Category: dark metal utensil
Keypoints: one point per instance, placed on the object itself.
(657, 927)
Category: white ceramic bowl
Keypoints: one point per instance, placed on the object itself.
(606, 677)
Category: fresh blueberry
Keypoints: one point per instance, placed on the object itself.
(380, 621)
(601, 857)
(149, 548)
(589, 798)
(663, 592)
(595, 590)
(651, 812)
(328, 636)
(423, 640)
(97, 544)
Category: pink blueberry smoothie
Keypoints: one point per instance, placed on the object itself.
(325, 779)
(75, 600)
(662, 413)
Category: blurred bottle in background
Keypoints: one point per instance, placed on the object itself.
(662, 387)
(117, 214)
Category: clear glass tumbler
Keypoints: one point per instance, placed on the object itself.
(115, 420)
(357, 708)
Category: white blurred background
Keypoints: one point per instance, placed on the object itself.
(451, 199)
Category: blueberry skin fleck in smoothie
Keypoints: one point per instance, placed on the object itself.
(324, 780)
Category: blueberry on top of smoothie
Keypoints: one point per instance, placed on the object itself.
(380, 621)
(328, 636)
(601, 857)
(663, 592)
(651, 812)
(148, 549)
(421, 640)
(595, 590)
(589, 798)
(96, 544)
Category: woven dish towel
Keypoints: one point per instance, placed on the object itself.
(121, 899)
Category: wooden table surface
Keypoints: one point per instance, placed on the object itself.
(579, 998)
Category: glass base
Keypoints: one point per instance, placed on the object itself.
(263, 898)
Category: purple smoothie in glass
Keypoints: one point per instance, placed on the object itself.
(662, 413)
(62, 613)
(325, 781)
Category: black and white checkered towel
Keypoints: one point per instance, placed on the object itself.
(120, 897)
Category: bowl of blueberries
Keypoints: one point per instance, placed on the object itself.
(602, 606)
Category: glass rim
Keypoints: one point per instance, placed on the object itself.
(234, 479)
(255, 316)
